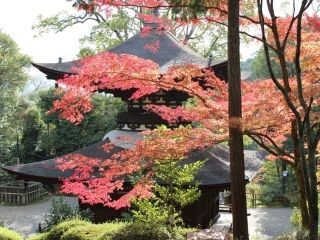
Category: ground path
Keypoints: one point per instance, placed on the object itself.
(25, 219)
(264, 223)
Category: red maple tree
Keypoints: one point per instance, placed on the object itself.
(273, 110)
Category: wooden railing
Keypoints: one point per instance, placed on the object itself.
(20, 192)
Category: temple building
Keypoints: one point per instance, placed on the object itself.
(214, 176)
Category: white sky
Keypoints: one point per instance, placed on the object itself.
(17, 18)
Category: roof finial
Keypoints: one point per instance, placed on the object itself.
(153, 21)
(60, 60)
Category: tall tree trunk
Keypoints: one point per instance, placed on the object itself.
(238, 192)
(302, 197)
(308, 169)
(299, 177)
(313, 204)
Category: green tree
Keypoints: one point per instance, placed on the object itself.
(277, 187)
(60, 136)
(175, 188)
(31, 130)
(208, 40)
(13, 78)
(259, 66)
(107, 31)
(122, 23)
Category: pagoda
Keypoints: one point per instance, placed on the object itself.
(213, 177)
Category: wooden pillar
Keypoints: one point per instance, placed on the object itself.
(238, 192)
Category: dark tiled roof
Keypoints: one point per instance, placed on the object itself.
(47, 171)
(170, 52)
(215, 172)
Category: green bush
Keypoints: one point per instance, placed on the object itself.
(296, 219)
(299, 235)
(82, 230)
(109, 229)
(184, 231)
(143, 231)
(40, 236)
(88, 232)
(92, 231)
(6, 234)
(56, 232)
(61, 210)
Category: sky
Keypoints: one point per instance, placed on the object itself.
(17, 18)
(18, 21)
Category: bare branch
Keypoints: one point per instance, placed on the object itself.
(268, 59)
(277, 151)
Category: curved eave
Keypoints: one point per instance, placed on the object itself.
(51, 180)
(50, 72)
(215, 174)
(220, 69)
(28, 177)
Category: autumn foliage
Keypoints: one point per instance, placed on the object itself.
(271, 107)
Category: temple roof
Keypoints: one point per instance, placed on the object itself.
(160, 46)
(214, 174)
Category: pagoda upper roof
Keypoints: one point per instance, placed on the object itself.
(160, 46)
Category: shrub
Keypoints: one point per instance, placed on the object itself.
(175, 188)
(82, 230)
(92, 231)
(143, 231)
(299, 235)
(296, 219)
(109, 229)
(86, 232)
(6, 234)
(56, 232)
(184, 231)
(40, 236)
(61, 210)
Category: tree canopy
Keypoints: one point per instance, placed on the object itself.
(115, 25)
(13, 78)
(43, 136)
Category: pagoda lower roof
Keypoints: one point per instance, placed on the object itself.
(214, 174)
(160, 46)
